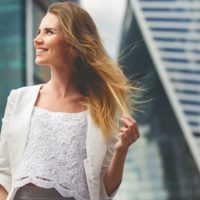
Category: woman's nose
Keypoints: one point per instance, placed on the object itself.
(37, 39)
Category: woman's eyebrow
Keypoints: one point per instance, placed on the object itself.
(47, 29)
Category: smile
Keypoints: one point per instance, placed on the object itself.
(41, 51)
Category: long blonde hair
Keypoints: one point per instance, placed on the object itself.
(107, 91)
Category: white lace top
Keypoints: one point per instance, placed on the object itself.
(55, 152)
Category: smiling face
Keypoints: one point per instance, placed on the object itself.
(50, 46)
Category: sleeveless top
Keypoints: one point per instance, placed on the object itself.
(54, 154)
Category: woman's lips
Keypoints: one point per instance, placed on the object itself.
(41, 50)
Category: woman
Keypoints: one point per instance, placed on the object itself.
(61, 139)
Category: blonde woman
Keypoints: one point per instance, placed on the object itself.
(61, 139)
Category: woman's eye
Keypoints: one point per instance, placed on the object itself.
(49, 32)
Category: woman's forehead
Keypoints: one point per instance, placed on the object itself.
(50, 21)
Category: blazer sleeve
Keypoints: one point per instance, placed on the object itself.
(105, 166)
(5, 171)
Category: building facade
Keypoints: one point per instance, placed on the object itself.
(160, 49)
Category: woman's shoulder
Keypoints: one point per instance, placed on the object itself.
(24, 90)
(27, 88)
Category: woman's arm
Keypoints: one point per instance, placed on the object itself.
(127, 136)
(113, 177)
(3, 193)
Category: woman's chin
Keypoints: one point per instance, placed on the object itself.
(40, 62)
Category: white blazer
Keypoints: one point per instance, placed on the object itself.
(14, 136)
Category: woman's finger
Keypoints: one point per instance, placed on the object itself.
(128, 117)
(123, 129)
(127, 123)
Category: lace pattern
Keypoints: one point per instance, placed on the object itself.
(55, 152)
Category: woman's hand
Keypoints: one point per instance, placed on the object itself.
(128, 134)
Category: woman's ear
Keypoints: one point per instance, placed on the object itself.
(74, 52)
(71, 51)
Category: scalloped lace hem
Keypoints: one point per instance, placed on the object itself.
(65, 192)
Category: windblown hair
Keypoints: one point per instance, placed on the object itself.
(107, 91)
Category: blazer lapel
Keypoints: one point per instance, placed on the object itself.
(95, 143)
(21, 121)
(96, 149)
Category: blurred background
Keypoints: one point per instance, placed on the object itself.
(158, 43)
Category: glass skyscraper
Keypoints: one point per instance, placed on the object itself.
(160, 48)
(12, 51)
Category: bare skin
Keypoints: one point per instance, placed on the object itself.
(52, 102)
(3, 193)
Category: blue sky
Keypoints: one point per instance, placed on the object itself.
(108, 16)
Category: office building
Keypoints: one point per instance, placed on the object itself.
(160, 47)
